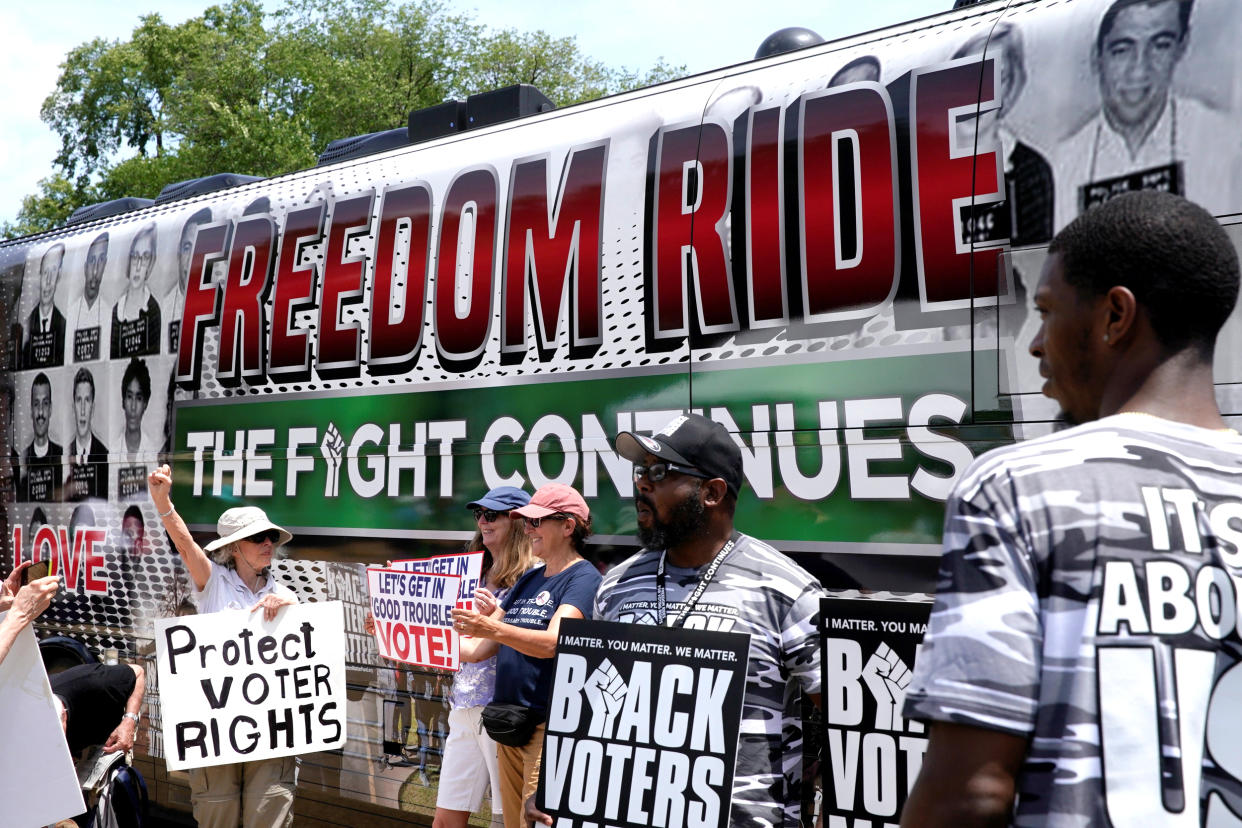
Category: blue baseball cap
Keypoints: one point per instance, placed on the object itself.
(501, 499)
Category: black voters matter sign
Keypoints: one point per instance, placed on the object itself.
(642, 726)
(871, 755)
(234, 687)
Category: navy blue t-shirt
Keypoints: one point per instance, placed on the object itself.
(523, 679)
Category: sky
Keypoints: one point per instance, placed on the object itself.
(699, 34)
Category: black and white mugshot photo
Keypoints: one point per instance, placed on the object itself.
(87, 456)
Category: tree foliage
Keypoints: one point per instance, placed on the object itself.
(235, 90)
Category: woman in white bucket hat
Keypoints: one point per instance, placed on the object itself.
(233, 572)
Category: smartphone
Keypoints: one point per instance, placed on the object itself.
(35, 571)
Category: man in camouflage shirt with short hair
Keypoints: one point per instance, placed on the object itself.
(1081, 662)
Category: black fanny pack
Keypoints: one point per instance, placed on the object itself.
(511, 724)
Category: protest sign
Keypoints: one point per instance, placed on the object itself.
(466, 565)
(234, 687)
(413, 616)
(871, 754)
(38, 785)
(642, 725)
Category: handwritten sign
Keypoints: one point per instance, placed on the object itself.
(466, 565)
(234, 687)
(413, 616)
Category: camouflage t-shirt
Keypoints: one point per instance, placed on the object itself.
(1088, 600)
(758, 591)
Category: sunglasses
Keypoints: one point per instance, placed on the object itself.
(266, 535)
(658, 471)
(487, 515)
(534, 522)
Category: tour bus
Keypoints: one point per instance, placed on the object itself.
(831, 251)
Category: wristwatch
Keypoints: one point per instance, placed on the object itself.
(133, 716)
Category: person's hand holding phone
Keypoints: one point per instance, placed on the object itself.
(34, 597)
(11, 585)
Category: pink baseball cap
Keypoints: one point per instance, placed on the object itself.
(551, 499)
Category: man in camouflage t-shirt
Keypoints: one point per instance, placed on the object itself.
(1083, 650)
(687, 478)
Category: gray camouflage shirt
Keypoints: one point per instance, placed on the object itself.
(757, 591)
(1088, 600)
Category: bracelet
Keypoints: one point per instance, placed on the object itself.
(133, 716)
(171, 508)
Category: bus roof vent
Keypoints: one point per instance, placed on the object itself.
(505, 104)
(434, 121)
(787, 40)
(103, 209)
(358, 146)
(200, 186)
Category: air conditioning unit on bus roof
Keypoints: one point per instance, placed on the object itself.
(483, 109)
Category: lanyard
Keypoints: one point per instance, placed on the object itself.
(704, 580)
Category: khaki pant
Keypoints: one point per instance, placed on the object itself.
(250, 794)
(519, 776)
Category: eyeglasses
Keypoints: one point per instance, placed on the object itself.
(266, 535)
(534, 522)
(487, 515)
(658, 471)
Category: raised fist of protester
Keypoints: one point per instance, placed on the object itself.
(271, 605)
(159, 483)
(11, 585)
(121, 739)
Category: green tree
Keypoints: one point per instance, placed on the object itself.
(236, 91)
(48, 208)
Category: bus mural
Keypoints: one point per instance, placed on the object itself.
(829, 251)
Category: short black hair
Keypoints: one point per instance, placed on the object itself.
(137, 370)
(1184, 8)
(58, 248)
(1172, 254)
(202, 216)
(84, 376)
(41, 379)
(83, 515)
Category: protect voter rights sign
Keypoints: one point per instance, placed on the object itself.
(642, 725)
(234, 687)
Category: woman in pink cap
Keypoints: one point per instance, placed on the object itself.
(235, 575)
(524, 627)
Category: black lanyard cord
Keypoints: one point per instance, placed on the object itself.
(704, 580)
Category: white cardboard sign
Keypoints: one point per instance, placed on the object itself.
(38, 785)
(466, 565)
(412, 612)
(235, 688)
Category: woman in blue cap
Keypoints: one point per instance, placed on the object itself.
(468, 764)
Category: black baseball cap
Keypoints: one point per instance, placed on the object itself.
(689, 440)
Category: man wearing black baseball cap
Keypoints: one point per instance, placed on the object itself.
(696, 571)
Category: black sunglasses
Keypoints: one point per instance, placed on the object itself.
(658, 471)
(487, 515)
(266, 535)
(534, 522)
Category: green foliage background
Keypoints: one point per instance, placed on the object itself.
(237, 90)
